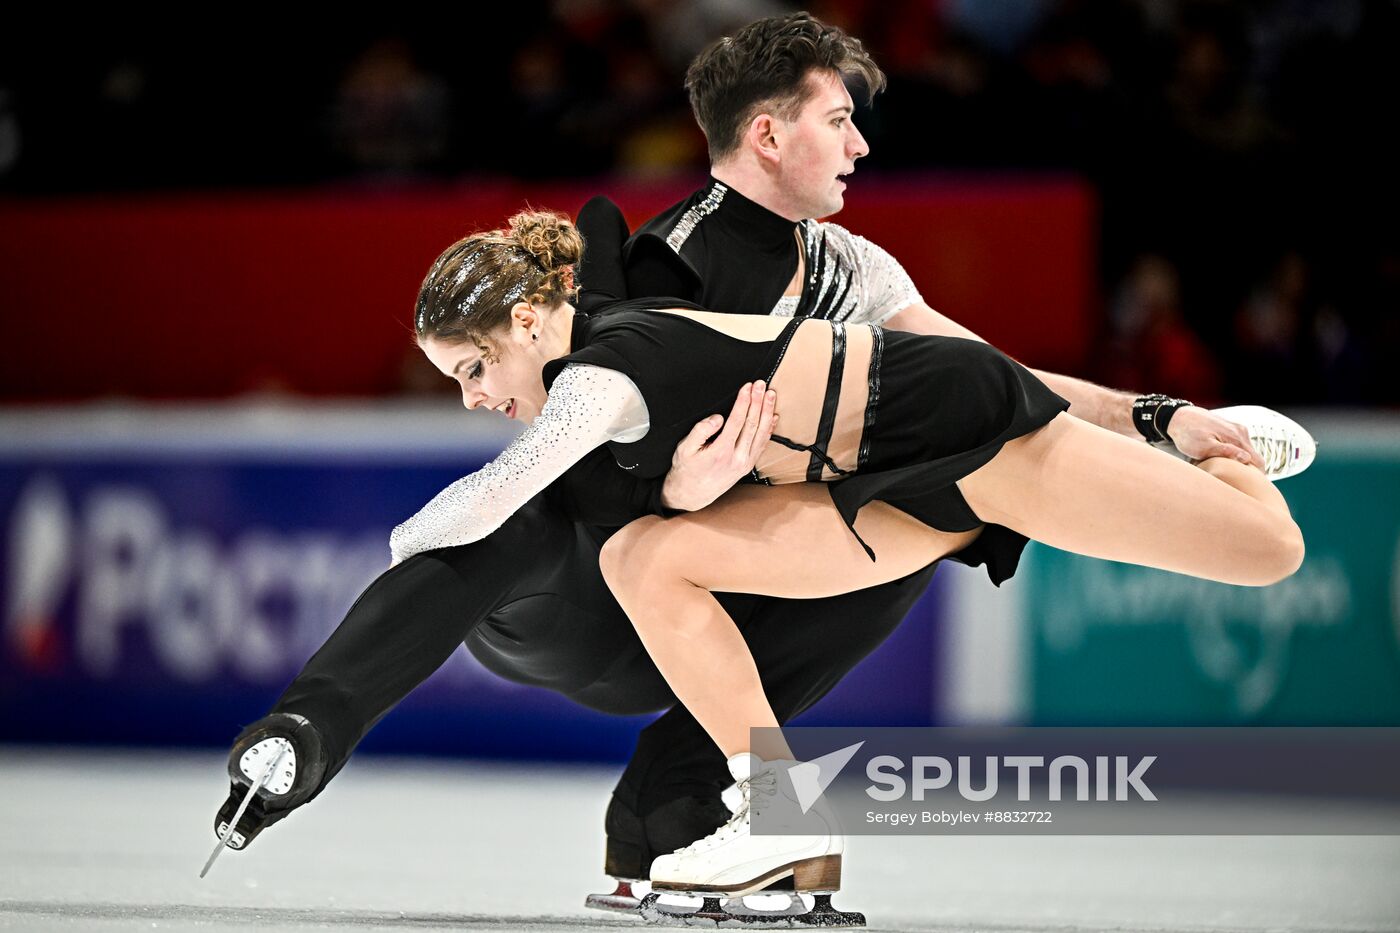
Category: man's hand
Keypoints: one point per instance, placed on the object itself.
(1199, 433)
(718, 452)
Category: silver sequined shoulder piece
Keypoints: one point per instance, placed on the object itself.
(587, 407)
(849, 278)
(786, 306)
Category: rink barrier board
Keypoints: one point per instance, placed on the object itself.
(1117, 644)
(163, 581)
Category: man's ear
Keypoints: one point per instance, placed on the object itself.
(762, 137)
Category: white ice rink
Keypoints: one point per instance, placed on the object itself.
(115, 841)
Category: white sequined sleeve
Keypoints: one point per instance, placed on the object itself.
(886, 288)
(587, 407)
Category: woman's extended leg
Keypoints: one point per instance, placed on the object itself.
(787, 541)
(1080, 488)
(1069, 484)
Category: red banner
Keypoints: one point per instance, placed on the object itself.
(212, 295)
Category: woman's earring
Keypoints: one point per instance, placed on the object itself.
(534, 336)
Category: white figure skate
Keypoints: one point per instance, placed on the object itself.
(628, 893)
(732, 862)
(1286, 446)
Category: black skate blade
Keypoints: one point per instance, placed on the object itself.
(621, 901)
(718, 911)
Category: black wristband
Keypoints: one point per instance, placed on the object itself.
(1152, 414)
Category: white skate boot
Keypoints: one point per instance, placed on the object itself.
(733, 861)
(1286, 447)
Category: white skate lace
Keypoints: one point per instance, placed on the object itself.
(754, 791)
(1275, 452)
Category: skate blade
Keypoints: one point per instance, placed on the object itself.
(230, 829)
(622, 901)
(717, 911)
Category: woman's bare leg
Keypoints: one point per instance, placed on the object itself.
(1069, 484)
(786, 541)
(1077, 487)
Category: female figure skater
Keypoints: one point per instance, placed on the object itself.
(928, 447)
(529, 600)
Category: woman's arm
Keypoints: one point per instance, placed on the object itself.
(587, 406)
(595, 492)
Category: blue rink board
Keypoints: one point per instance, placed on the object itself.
(168, 597)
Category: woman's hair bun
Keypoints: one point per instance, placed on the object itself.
(551, 238)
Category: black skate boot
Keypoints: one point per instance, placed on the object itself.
(295, 779)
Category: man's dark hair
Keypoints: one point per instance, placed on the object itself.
(764, 66)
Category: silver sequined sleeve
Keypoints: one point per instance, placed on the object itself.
(587, 407)
(886, 288)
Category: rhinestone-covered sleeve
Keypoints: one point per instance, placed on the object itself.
(886, 288)
(587, 407)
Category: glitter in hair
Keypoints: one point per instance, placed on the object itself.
(485, 283)
(470, 290)
(465, 306)
(515, 293)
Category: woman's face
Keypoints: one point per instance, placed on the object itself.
(505, 376)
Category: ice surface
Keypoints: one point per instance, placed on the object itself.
(114, 841)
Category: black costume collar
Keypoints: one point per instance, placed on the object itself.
(752, 222)
(578, 331)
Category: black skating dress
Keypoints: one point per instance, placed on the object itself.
(875, 414)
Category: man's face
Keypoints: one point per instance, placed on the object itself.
(817, 148)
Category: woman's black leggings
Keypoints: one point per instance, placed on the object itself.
(531, 606)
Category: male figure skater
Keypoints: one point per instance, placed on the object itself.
(773, 103)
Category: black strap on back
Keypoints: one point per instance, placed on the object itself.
(827, 424)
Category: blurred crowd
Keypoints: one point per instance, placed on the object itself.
(1245, 167)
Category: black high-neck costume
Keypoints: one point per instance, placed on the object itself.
(719, 232)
